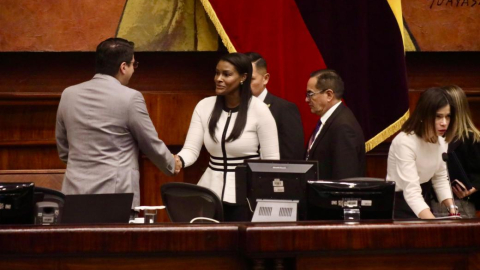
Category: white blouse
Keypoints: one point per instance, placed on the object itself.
(260, 131)
(413, 161)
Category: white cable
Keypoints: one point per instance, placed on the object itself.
(204, 218)
(249, 206)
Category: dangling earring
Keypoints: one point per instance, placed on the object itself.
(241, 82)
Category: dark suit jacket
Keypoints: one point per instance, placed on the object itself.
(468, 154)
(289, 126)
(340, 147)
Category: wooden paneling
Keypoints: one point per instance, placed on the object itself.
(172, 84)
(53, 72)
(125, 263)
(42, 178)
(451, 244)
(339, 236)
(401, 261)
(28, 155)
(427, 70)
(119, 239)
(171, 113)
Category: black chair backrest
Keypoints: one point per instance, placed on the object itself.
(45, 194)
(185, 202)
(371, 179)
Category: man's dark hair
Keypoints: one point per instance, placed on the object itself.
(111, 53)
(258, 60)
(329, 79)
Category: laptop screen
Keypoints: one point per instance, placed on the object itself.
(97, 208)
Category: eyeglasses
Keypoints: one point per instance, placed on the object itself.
(135, 64)
(310, 94)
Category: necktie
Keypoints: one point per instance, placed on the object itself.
(312, 138)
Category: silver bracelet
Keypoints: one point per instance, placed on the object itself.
(452, 206)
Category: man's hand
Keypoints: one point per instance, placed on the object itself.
(178, 164)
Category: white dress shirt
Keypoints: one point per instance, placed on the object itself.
(263, 95)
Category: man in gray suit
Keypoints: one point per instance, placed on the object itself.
(102, 124)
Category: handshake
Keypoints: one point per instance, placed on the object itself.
(178, 164)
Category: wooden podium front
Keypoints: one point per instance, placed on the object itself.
(449, 244)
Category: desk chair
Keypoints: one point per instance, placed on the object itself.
(186, 202)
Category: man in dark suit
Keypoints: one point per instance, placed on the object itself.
(286, 114)
(337, 142)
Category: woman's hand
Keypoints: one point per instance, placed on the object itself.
(462, 193)
(178, 164)
(452, 208)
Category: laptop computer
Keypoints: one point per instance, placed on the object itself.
(97, 208)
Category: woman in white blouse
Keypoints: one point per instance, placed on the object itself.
(415, 156)
(233, 126)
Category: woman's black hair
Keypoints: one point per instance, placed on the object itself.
(242, 65)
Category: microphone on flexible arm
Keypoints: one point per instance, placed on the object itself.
(457, 214)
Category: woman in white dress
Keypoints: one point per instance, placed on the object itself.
(415, 156)
(233, 126)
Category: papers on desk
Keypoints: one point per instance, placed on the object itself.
(449, 217)
(138, 220)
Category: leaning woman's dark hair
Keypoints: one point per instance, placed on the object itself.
(422, 120)
(243, 66)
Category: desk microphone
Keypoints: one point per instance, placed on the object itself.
(445, 159)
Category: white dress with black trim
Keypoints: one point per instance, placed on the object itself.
(260, 131)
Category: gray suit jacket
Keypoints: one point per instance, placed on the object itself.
(101, 125)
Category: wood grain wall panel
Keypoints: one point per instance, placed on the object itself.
(441, 260)
(52, 72)
(27, 122)
(126, 262)
(429, 69)
(42, 178)
(474, 103)
(30, 157)
(377, 161)
(171, 113)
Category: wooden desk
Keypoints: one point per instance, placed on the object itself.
(120, 247)
(303, 245)
(396, 245)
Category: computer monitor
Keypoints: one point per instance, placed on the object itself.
(350, 199)
(279, 180)
(16, 203)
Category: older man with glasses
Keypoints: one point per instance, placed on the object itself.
(337, 142)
